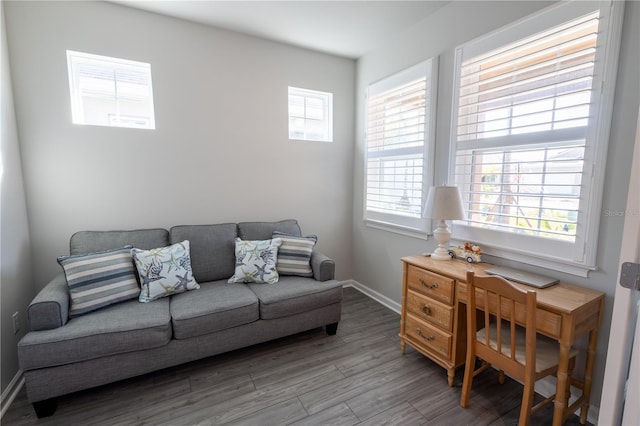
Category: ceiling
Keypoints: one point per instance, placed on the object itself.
(343, 28)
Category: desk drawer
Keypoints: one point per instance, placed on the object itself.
(430, 310)
(430, 284)
(428, 336)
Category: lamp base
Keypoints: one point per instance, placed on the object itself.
(440, 254)
(441, 235)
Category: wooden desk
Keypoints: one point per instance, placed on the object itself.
(433, 323)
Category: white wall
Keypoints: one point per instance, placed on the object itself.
(16, 281)
(220, 151)
(376, 253)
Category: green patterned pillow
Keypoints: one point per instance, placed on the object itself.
(164, 271)
(294, 255)
(256, 261)
(99, 279)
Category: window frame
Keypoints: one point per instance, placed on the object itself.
(327, 100)
(414, 227)
(113, 118)
(539, 251)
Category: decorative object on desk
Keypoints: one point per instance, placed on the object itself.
(469, 252)
(443, 203)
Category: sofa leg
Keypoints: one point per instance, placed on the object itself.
(332, 329)
(45, 408)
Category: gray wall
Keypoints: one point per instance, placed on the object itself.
(16, 283)
(439, 34)
(220, 151)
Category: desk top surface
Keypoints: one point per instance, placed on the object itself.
(562, 297)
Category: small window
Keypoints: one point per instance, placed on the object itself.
(399, 138)
(110, 91)
(310, 115)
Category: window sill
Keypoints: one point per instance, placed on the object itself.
(396, 229)
(310, 140)
(552, 265)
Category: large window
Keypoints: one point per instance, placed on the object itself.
(399, 139)
(530, 129)
(110, 91)
(310, 115)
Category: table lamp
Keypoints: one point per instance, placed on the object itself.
(443, 203)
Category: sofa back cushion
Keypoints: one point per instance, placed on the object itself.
(212, 249)
(85, 242)
(264, 230)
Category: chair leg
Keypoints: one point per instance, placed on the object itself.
(527, 402)
(501, 377)
(467, 380)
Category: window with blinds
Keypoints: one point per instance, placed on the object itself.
(109, 91)
(527, 105)
(399, 145)
(310, 115)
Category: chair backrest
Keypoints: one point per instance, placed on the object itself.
(500, 341)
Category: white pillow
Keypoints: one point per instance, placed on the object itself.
(256, 261)
(164, 271)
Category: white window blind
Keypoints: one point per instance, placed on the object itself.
(399, 145)
(109, 91)
(310, 115)
(525, 129)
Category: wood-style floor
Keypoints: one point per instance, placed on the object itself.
(357, 377)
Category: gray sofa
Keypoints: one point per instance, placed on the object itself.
(61, 355)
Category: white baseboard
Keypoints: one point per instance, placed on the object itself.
(10, 393)
(545, 386)
(378, 297)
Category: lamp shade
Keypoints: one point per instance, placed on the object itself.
(444, 202)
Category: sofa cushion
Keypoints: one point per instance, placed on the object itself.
(264, 230)
(293, 295)
(256, 261)
(125, 327)
(216, 306)
(100, 279)
(294, 255)
(84, 242)
(164, 271)
(212, 255)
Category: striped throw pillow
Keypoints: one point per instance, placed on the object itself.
(294, 255)
(100, 279)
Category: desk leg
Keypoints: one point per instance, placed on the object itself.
(561, 385)
(591, 358)
(451, 374)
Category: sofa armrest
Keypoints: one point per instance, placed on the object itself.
(323, 266)
(50, 308)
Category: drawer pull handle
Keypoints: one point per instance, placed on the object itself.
(427, 310)
(429, 286)
(427, 338)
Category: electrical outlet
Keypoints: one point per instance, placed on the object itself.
(16, 322)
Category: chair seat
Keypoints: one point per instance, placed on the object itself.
(547, 350)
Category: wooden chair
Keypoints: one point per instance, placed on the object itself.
(514, 349)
